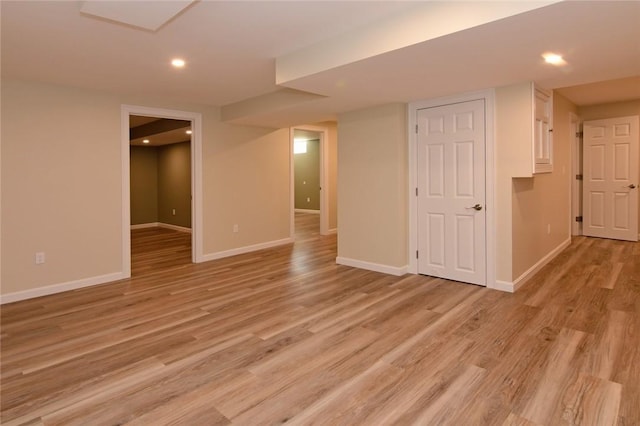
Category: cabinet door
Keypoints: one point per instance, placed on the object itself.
(542, 133)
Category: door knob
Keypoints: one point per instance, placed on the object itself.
(631, 186)
(477, 207)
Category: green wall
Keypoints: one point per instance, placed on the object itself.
(144, 184)
(160, 183)
(174, 184)
(307, 177)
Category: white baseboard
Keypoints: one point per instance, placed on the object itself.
(161, 225)
(376, 267)
(503, 286)
(59, 288)
(306, 211)
(174, 227)
(518, 282)
(245, 249)
(145, 225)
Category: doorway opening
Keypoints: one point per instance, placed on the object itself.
(308, 181)
(161, 187)
(160, 192)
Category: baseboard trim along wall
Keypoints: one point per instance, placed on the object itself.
(161, 225)
(59, 288)
(246, 249)
(518, 282)
(306, 211)
(376, 267)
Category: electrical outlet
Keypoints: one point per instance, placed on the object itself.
(235, 228)
(308, 199)
(40, 258)
(173, 212)
(548, 228)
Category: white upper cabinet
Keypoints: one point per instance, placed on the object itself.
(542, 131)
(524, 129)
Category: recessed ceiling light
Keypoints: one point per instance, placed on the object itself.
(188, 132)
(178, 63)
(553, 58)
(145, 141)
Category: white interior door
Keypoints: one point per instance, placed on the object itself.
(610, 188)
(451, 192)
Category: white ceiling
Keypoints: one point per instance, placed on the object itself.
(231, 49)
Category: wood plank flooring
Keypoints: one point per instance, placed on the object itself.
(286, 335)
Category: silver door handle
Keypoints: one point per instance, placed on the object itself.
(631, 186)
(477, 207)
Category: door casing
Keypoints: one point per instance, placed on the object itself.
(489, 97)
(196, 178)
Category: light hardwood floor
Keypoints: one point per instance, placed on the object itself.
(286, 335)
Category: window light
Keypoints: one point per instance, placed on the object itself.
(299, 146)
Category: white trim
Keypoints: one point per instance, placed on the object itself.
(161, 225)
(307, 211)
(529, 273)
(145, 225)
(59, 288)
(576, 168)
(489, 97)
(196, 178)
(370, 266)
(174, 227)
(324, 177)
(246, 249)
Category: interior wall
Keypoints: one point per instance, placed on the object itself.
(174, 184)
(372, 185)
(513, 115)
(611, 110)
(332, 168)
(65, 189)
(144, 184)
(61, 177)
(541, 205)
(307, 177)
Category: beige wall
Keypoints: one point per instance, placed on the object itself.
(143, 167)
(333, 175)
(62, 174)
(611, 110)
(61, 185)
(372, 185)
(544, 201)
(246, 182)
(174, 184)
(527, 207)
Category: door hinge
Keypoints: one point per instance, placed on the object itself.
(417, 255)
(579, 177)
(416, 192)
(578, 218)
(416, 128)
(579, 134)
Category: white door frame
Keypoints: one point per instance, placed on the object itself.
(576, 169)
(196, 178)
(324, 187)
(489, 97)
